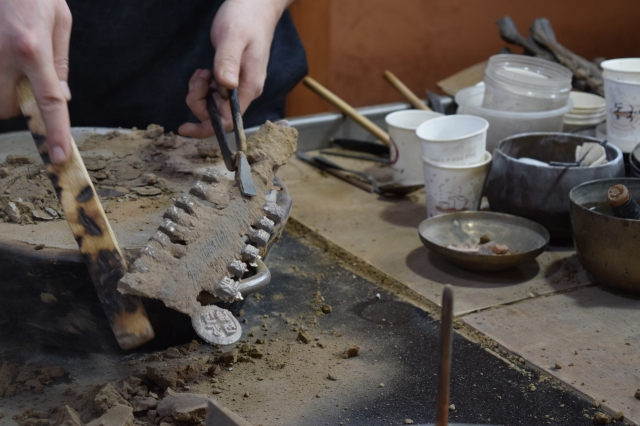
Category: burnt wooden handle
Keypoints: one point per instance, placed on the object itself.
(91, 229)
(348, 110)
(405, 91)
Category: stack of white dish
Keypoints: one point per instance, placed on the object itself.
(588, 110)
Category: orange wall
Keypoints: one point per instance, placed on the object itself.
(351, 42)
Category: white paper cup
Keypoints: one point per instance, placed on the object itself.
(454, 139)
(454, 188)
(405, 145)
(622, 94)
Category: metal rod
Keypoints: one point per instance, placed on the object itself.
(238, 127)
(446, 331)
(218, 128)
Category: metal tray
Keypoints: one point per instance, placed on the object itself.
(74, 316)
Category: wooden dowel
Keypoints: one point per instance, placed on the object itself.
(405, 91)
(348, 110)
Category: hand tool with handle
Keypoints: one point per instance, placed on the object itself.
(91, 229)
(364, 180)
(405, 91)
(361, 146)
(390, 188)
(235, 161)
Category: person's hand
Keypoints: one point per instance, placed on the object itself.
(241, 33)
(34, 42)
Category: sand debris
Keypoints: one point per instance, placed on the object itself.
(183, 407)
(351, 350)
(69, 417)
(108, 397)
(118, 415)
(602, 418)
(304, 336)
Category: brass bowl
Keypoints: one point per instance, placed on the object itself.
(606, 245)
(526, 239)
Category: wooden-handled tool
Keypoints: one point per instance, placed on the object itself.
(406, 92)
(348, 110)
(91, 229)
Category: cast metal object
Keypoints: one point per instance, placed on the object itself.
(525, 239)
(543, 44)
(49, 270)
(216, 325)
(606, 245)
(510, 34)
(213, 324)
(542, 193)
(543, 33)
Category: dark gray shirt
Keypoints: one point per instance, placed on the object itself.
(130, 62)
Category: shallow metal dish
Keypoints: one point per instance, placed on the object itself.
(526, 239)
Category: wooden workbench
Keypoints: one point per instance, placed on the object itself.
(543, 311)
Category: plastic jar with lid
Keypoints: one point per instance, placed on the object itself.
(525, 84)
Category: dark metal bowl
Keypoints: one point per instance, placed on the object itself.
(526, 239)
(607, 246)
(542, 193)
(634, 162)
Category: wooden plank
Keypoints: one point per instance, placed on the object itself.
(383, 233)
(592, 333)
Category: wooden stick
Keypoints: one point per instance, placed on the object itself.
(446, 347)
(91, 229)
(405, 91)
(348, 110)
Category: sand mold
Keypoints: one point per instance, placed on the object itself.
(202, 244)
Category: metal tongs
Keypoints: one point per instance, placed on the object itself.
(235, 161)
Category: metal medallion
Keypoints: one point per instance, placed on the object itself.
(216, 325)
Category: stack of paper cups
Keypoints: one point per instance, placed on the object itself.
(455, 162)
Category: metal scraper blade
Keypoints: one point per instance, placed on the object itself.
(243, 175)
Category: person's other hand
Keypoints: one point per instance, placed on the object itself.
(34, 42)
(241, 33)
